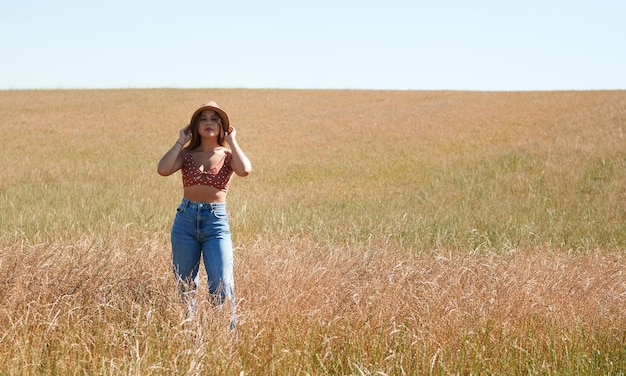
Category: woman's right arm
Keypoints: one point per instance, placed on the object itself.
(172, 161)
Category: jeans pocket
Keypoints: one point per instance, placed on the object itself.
(219, 214)
(180, 208)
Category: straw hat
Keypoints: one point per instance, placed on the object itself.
(212, 106)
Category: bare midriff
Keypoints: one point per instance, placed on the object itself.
(204, 193)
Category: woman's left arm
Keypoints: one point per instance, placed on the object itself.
(240, 162)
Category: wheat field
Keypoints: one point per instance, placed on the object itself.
(380, 233)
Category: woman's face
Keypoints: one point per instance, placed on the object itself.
(209, 124)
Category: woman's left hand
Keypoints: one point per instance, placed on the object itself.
(230, 135)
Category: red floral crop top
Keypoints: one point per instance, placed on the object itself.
(218, 177)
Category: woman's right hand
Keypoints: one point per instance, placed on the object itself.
(184, 135)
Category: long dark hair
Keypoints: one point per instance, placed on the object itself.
(195, 136)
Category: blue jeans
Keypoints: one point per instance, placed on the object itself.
(201, 230)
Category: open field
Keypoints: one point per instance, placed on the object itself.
(380, 232)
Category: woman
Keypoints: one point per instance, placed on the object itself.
(201, 227)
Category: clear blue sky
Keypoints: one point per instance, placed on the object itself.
(360, 44)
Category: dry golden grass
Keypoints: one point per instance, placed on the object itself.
(379, 233)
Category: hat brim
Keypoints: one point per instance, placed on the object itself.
(219, 111)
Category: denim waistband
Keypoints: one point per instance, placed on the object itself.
(203, 205)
